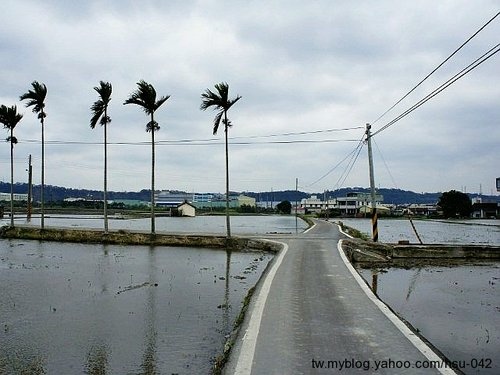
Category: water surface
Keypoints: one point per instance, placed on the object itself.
(456, 308)
(71, 308)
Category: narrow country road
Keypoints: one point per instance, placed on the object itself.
(310, 316)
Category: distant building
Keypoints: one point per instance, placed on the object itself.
(17, 197)
(245, 200)
(351, 204)
(484, 210)
(171, 200)
(422, 209)
(186, 209)
(316, 205)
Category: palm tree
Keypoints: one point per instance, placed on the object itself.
(145, 96)
(36, 99)
(100, 114)
(10, 118)
(220, 101)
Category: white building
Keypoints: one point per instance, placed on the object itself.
(17, 197)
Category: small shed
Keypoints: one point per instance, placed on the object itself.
(186, 209)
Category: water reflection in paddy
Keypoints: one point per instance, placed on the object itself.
(456, 308)
(70, 308)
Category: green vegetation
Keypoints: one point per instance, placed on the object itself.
(10, 118)
(455, 204)
(284, 207)
(145, 97)
(100, 114)
(221, 102)
(36, 99)
(354, 232)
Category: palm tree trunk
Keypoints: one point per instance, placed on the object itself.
(152, 176)
(42, 190)
(228, 222)
(12, 177)
(105, 174)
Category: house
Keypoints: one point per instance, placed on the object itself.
(186, 209)
(351, 204)
(484, 210)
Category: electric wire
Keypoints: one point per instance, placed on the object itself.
(210, 141)
(338, 164)
(385, 164)
(487, 55)
(436, 68)
(348, 169)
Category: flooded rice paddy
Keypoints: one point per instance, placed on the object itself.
(240, 225)
(432, 231)
(456, 308)
(70, 308)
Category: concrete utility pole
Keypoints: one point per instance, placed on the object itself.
(372, 185)
(296, 195)
(30, 189)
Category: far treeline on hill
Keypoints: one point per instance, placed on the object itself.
(393, 196)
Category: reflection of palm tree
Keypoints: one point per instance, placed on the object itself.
(100, 114)
(221, 102)
(97, 360)
(149, 357)
(145, 96)
(36, 99)
(10, 118)
(226, 306)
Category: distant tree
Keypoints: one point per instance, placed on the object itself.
(145, 97)
(247, 209)
(284, 207)
(100, 114)
(10, 118)
(36, 99)
(455, 204)
(221, 102)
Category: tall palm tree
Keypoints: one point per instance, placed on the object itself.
(145, 96)
(221, 102)
(36, 99)
(100, 114)
(10, 118)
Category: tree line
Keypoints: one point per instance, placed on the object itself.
(145, 97)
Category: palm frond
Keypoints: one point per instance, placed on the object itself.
(100, 106)
(36, 97)
(145, 97)
(217, 121)
(12, 140)
(219, 100)
(160, 101)
(9, 116)
(152, 126)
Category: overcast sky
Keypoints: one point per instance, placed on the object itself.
(300, 66)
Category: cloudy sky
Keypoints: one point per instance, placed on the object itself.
(319, 70)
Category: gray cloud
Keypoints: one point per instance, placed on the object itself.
(300, 66)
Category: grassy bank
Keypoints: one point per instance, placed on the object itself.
(122, 237)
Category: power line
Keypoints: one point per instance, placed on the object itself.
(337, 165)
(386, 166)
(437, 67)
(487, 55)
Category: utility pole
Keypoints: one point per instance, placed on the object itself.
(372, 184)
(30, 189)
(296, 195)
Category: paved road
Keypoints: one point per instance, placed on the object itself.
(316, 311)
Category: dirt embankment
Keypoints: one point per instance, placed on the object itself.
(133, 238)
(368, 253)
